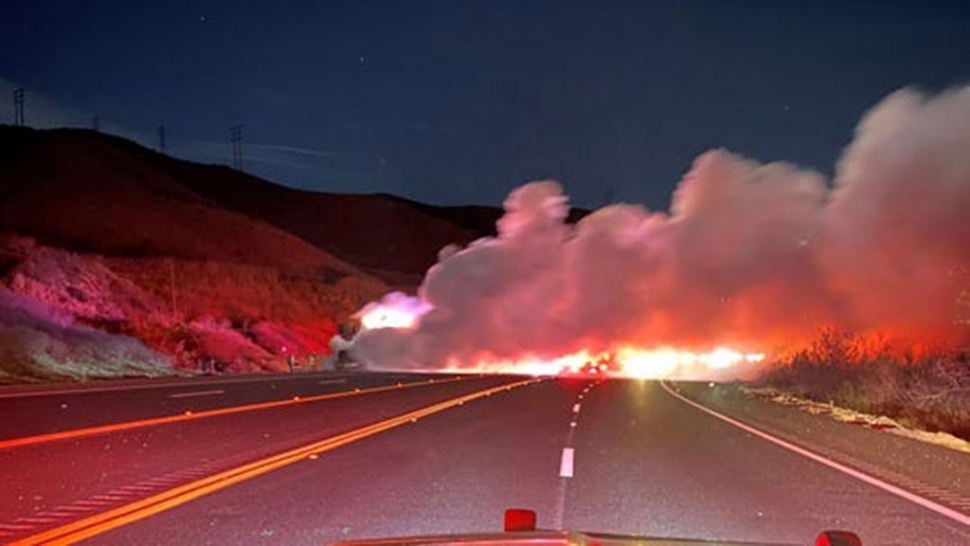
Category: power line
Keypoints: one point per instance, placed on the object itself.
(18, 100)
(236, 134)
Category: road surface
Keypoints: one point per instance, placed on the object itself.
(616, 456)
(31, 410)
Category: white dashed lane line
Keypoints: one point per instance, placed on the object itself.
(33, 521)
(197, 393)
(566, 463)
(568, 452)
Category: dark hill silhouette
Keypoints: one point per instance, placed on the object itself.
(90, 192)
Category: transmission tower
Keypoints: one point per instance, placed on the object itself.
(161, 138)
(236, 133)
(18, 101)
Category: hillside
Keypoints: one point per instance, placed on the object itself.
(110, 265)
(85, 315)
(115, 260)
(90, 192)
(390, 237)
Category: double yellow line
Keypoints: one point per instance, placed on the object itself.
(190, 415)
(132, 512)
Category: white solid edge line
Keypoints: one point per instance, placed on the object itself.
(871, 480)
(566, 464)
(196, 393)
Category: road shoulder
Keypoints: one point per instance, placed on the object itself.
(934, 472)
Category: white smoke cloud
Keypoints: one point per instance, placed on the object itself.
(898, 226)
(750, 255)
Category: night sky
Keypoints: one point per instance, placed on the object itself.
(457, 102)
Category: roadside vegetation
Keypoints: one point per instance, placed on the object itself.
(72, 316)
(929, 390)
(38, 343)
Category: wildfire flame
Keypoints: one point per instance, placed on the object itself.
(402, 312)
(660, 363)
(629, 362)
(396, 310)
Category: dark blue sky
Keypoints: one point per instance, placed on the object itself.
(457, 102)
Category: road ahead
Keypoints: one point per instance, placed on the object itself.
(617, 456)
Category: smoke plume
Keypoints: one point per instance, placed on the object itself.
(750, 256)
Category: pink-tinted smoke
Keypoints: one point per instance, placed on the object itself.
(750, 256)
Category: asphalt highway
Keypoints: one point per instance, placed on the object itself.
(623, 457)
(26, 411)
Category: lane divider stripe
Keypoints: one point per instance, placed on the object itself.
(115, 427)
(196, 393)
(862, 476)
(566, 463)
(140, 509)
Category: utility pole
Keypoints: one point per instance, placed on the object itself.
(18, 101)
(236, 133)
(161, 138)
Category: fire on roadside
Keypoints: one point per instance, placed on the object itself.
(625, 361)
(622, 361)
(396, 310)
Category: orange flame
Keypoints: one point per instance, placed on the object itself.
(629, 362)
